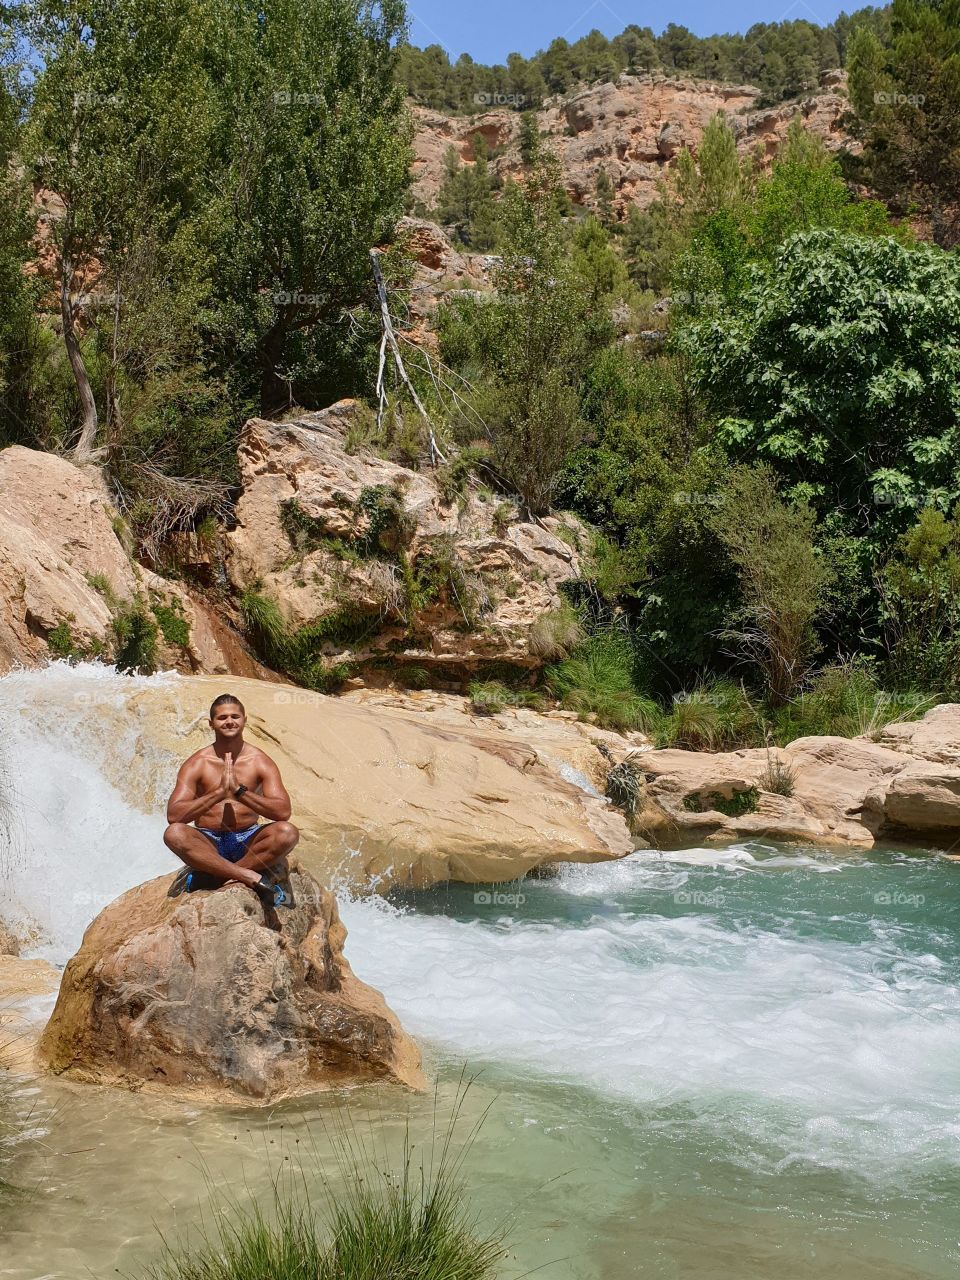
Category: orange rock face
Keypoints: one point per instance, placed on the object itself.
(633, 129)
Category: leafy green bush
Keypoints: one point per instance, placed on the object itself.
(174, 627)
(136, 639)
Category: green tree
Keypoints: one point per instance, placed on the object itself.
(312, 163)
(119, 128)
(605, 198)
(526, 348)
(19, 332)
(840, 368)
(805, 190)
(465, 199)
(529, 137)
(906, 92)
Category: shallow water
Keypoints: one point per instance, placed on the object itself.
(737, 1063)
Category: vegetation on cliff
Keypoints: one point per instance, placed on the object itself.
(748, 389)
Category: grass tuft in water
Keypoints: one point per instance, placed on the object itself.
(409, 1222)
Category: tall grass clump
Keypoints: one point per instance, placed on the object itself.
(411, 1221)
(715, 716)
(597, 680)
(845, 701)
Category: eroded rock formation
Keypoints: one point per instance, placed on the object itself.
(903, 784)
(398, 570)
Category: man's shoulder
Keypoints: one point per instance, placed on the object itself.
(205, 753)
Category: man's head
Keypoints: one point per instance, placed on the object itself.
(227, 716)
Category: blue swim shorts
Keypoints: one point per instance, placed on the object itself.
(231, 845)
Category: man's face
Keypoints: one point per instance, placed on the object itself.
(228, 720)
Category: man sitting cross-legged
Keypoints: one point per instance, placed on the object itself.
(224, 789)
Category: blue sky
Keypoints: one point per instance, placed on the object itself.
(491, 29)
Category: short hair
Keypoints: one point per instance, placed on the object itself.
(222, 700)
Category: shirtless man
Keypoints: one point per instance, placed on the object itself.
(225, 789)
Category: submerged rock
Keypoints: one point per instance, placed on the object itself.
(215, 995)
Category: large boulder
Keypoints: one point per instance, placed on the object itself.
(383, 565)
(215, 995)
(380, 796)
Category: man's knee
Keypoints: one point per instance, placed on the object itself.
(287, 835)
(175, 835)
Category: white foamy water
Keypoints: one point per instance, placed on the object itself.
(806, 1040)
(71, 842)
(763, 992)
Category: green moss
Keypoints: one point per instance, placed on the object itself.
(60, 642)
(735, 806)
(174, 627)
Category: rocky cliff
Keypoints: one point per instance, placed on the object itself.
(632, 128)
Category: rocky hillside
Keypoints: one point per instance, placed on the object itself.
(632, 129)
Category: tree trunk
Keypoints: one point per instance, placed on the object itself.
(274, 390)
(88, 406)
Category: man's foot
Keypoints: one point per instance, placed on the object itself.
(271, 894)
(189, 881)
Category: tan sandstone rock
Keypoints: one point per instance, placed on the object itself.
(380, 797)
(213, 994)
(57, 539)
(508, 572)
(25, 987)
(844, 791)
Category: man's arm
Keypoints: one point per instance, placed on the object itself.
(270, 799)
(184, 804)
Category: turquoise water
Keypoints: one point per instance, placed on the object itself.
(740, 1063)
